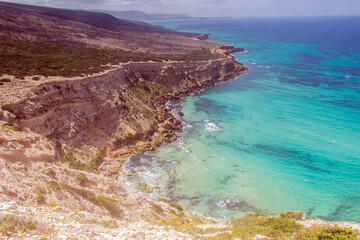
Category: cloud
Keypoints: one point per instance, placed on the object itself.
(216, 8)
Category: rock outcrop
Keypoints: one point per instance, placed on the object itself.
(119, 108)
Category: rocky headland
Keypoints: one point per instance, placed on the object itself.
(117, 112)
(67, 129)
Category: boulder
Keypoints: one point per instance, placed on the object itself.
(167, 124)
(175, 93)
(162, 130)
(113, 168)
(8, 116)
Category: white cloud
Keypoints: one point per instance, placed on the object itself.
(234, 8)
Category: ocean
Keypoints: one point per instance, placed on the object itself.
(285, 136)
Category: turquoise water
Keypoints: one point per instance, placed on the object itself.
(285, 136)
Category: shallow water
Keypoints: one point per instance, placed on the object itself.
(283, 137)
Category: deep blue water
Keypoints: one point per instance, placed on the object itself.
(285, 136)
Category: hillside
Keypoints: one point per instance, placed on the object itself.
(81, 92)
(141, 16)
(92, 29)
(96, 19)
(48, 41)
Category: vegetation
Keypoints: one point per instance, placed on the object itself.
(327, 233)
(11, 224)
(171, 203)
(67, 157)
(4, 80)
(110, 223)
(95, 162)
(39, 197)
(75, 163)
(54, 186)
(253, 224)
(220, 236)
(50, 172)
(26, 58)
(282, 226)
(109, 204)
(81, 179)
(181, 221)
(13, 127)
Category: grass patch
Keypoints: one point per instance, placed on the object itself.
(292, 215)
(252, 224)
(220, 236)
(157, 208)
(39, 198)
(25, 58)
(109, 223)
(327, 233)
(179, 220)
(73, 163)
(171, 203)
(109, 204)
(50, 172)
(54, 186)
(81, 179)
(11, 224)
(94, 163)
(146, 112)
(13, 127)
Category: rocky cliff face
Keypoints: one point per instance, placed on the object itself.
(120, 108)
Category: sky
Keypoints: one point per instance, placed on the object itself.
(214, 8)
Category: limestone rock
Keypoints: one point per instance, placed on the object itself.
(113, 168)
(167, 124)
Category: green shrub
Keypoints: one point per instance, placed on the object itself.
(95, 162)
(68, 158)
(146, 112)
(252, 224)
(292, 215)
(14, 127)
(111, 223)
(327, 233)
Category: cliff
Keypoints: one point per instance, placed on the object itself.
(65, 139)
(116, 112)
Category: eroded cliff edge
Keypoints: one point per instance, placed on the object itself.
(116, 112)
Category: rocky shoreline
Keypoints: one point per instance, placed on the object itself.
(61, 188)
(117, 113)
(170, 125)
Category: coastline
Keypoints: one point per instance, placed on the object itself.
(40, 101)
(105, 134)
(136, 208)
